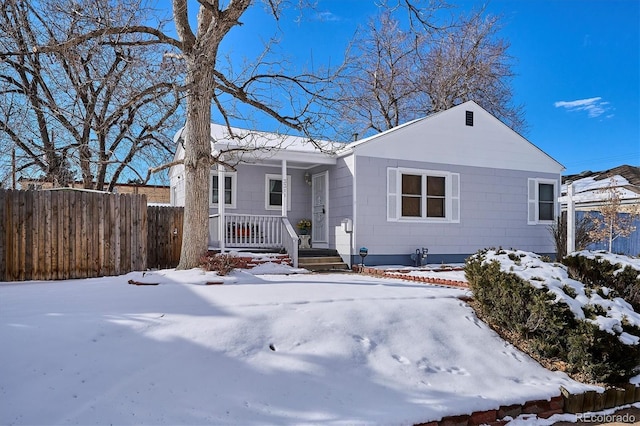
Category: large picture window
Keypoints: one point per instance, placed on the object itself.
(229, 189)
(542, 201)
(425, 195)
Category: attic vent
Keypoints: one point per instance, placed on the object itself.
(469, 118)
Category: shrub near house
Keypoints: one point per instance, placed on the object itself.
(603, 269)
(594, 332)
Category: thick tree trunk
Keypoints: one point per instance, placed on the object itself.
(197, 164)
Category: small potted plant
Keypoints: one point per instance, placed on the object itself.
(304, 225)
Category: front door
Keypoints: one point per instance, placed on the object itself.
(320, 194)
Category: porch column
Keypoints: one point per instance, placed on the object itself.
(222, 231)
(285, 189)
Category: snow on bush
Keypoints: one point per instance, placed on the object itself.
(589, 326)
(619, 260)
(554, 277)
(611, 272)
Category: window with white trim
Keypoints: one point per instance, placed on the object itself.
(423, 195)
(542, 200)
(230, 189)
(273, 192)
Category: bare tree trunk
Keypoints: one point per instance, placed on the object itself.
(610, 235)
(197, 164)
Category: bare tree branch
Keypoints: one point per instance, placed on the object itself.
(398, 74)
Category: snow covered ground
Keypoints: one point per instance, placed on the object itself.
(260, 349)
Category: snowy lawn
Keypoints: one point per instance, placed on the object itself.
(260, 349)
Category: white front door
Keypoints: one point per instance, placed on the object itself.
(320, 208)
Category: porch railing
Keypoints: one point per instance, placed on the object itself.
(290, 241)
(255, 231)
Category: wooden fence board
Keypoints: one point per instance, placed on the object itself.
(3, 231)
(93, 262)
(49, 223)
(64, 229)
(30, 224)
(111, 263)
(101, 214)
(20, 216)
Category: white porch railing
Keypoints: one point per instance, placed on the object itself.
(255, 231)
(290, 241)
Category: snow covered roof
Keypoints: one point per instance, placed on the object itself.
(591, 187)
(252, 146)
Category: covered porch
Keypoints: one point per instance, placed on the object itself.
(249, 221)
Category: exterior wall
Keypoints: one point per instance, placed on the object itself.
(341, 186)
(493, 213)
(251, 193)
(156, 194)
(176, 185)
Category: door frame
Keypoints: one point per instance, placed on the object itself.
(320, 243)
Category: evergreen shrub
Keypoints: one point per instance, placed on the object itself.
(514, 294)
(597, 269)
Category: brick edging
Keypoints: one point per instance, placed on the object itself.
(566, 402)
(404, 276)
(542, 408)
(252, 262)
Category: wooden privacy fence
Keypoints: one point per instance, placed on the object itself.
(73, 234)
(164, 236)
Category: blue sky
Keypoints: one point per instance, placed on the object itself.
(577, 64)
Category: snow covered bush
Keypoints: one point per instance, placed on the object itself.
(593, 332)
(601, 269)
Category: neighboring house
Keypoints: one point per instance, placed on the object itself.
(590, 192)
(590, 188)
(453, 182)
(156, 194)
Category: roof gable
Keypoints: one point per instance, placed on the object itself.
(446, 138)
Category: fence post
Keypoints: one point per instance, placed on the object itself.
(571, 219)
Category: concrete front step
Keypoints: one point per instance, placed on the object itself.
(322, 263)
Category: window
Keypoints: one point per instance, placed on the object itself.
(411, 195)
(435, 196)
(545, 201)
(229, 189)
(273, 192)
(423, 195)
(542, 201)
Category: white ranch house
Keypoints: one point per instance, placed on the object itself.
(452, 182)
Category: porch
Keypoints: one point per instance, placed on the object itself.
(245, 231)
(268, 232)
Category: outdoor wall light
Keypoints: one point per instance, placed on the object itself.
(307, 178)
